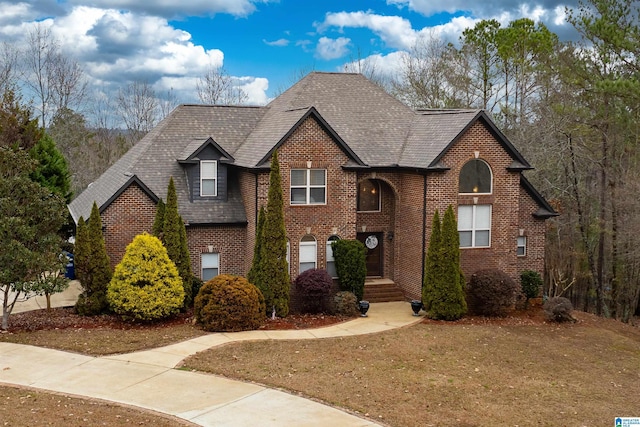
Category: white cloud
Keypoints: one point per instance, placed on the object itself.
(173, 9)
(277, 43)
(395, 31)
(386, 65)
(255, 88)
(332, 48)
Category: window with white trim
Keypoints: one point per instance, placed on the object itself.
(475, 178)
(521, 246)
(308, 186)
(210, 265)
(308, 253)
(208, 178)
(474, 226)
(331, 261)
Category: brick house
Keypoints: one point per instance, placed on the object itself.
(356, 164)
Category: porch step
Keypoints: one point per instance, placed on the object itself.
(382, 290)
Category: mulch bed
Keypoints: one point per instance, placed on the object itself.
(66, 318)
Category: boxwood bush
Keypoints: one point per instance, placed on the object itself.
(229, 303)
(146, 285)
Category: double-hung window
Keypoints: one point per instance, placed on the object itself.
(308, 186)
(521, 247)
(208, 178)
(474, 226)
(308, 253)
(210, 266)
(331, 261)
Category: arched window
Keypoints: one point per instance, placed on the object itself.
(369, 196)
(331, 262)
(308, 253)
(475, 178)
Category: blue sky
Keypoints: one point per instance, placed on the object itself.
(264, 44)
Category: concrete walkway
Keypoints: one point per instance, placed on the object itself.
(148, 379)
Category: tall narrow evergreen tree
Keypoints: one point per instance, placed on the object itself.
(452, 276)
(432, 264)
(172, 237)
(274, 272)
(158, 222)
(254, 272)
(93, 299)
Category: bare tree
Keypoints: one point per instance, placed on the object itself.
(368, 67)
(69, 85)
(168, 103)
(8, 62)
(38, 60)
(217, 87)
(137, 106)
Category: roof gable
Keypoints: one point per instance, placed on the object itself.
(313, 113)
(191, 151)
(519, 162)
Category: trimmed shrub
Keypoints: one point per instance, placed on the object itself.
(531, 282)
(313, 288)
(492, 292)
(345, 303)
(351, 265)
(558, 309)
(146, 285)
(229, 303)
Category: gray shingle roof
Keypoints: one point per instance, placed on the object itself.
(376, 128)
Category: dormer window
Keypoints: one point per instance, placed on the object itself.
(208, 178)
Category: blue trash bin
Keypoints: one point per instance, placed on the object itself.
(70, 270)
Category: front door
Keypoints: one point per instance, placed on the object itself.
(373, 243)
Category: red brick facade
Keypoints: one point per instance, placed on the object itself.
(404, 219)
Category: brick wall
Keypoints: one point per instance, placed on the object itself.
(504, 199)
(132, 213)
(534, 230)
(228, 241)
(310, 143)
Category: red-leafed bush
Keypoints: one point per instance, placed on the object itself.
(313, 288)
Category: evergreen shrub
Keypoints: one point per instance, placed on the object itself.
(531, 282)
(146, 285)
(351, 265)
(229, 303)
(345, 303)
(492, 292)
(313, 288)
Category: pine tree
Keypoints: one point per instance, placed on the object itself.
(274, 281)
(93, 299)
(52, 171)
(253, 274)
(158, 222)
(172, 233)
(433, 264)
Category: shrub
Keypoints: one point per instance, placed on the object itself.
(531, 282)
(558, 309)
(313, 288)
(229, 303)
(93, 269)
(492, 292)
(351, 264)
(146, 285)
(345, 303)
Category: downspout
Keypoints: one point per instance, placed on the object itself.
(424, 225)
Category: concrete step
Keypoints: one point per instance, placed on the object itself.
(382, 290)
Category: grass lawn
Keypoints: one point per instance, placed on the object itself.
(456, 374)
